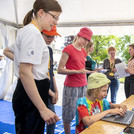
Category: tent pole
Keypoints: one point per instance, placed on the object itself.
(16, 14)
(8, 23)
(97, 23)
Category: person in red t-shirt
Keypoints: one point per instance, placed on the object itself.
(72, 63)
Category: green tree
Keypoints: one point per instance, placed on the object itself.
(102, 43)
(124, 46)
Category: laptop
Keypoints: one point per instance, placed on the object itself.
(125, 120)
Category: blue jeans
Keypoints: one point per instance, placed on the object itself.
(114, 86)
(50, 128)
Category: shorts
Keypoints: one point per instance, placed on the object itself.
(69, 99)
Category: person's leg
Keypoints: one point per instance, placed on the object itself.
(127, 87)
(70, 96)
(82, 91)
(66, 127)
(114, 89)
(50, 128)
(29, 123)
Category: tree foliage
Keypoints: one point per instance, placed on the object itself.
(102, 43)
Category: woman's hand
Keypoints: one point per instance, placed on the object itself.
(48, 116)
(90, 72)
(127, 70)
(98, 69)
(54, 98)
(81, 71)
(114, 70)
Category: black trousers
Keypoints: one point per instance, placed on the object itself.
(27, 117)
(129, 85)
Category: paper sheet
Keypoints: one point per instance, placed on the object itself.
(120, 67)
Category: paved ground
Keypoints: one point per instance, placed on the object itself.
(60, 81)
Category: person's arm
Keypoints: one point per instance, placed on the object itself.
(131, 72)
(98, 69)
(130, 69)
(127, 70)
(120, 106)
(89, 120)
(56, 91)
(63, 70)
(8, 53)
(26, 76)
(89, 72)
(54, 94)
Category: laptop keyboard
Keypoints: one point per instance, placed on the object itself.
(122, 118)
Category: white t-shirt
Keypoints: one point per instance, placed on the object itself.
(30, 47)
(12, 47)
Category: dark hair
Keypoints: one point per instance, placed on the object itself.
(132, 45)
(46, 5)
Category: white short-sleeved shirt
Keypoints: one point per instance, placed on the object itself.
(12, 47)
(30, 47)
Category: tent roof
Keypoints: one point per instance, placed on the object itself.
(95, 12)
(75, 12)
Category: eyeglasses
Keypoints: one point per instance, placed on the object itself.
(48, 36)
(54, 17)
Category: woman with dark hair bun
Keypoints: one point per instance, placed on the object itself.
(129, 81)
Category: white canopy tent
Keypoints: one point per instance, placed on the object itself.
(96, 14)
(104, 17)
